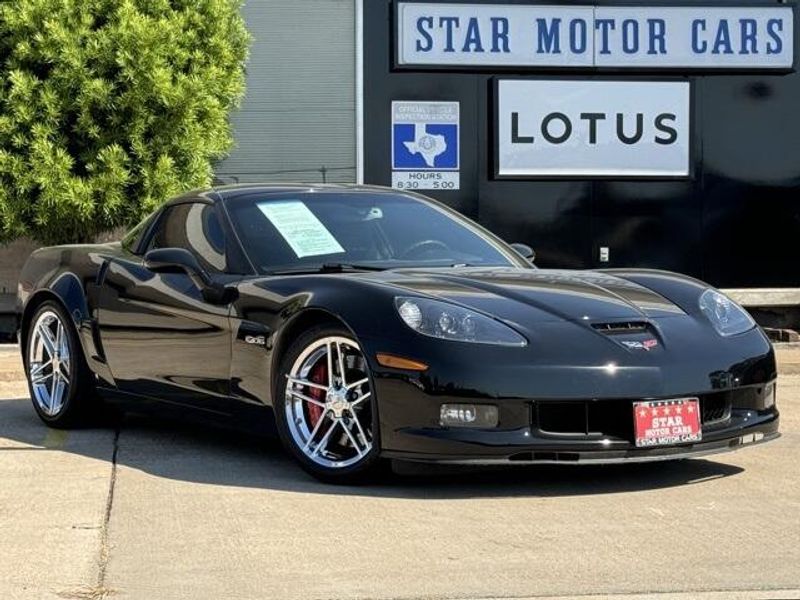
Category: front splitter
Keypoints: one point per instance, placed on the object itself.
(599, 457)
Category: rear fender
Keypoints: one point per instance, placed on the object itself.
(66, 289)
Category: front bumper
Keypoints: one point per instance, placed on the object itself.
(734, 379)
(732, 419)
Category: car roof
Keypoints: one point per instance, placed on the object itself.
(226, 193)
(230, 192)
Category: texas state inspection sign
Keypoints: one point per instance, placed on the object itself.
(425, 145)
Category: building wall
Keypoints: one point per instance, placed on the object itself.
(12, 257)
(733, 222)
(298, 115)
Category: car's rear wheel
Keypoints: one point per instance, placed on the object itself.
(58, 378)
(325, 406)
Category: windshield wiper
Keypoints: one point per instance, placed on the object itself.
(332, 267)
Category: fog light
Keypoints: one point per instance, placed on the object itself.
(468, 415)
(769, 396)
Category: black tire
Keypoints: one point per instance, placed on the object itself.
(80, 396)
(363, 468)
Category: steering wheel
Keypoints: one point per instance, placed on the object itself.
(414, 249)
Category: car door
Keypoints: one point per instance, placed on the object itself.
(160, 337)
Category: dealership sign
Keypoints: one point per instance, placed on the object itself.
(592, 128)
(436, 34)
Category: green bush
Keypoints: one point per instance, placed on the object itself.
(109, 107)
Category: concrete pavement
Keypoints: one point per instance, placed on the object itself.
(158, 510)
(788, 356)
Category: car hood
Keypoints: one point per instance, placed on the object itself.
(536, 295)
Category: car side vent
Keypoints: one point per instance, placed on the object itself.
(621, 327)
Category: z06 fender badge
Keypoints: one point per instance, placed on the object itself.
(646, 345)
(258, 340)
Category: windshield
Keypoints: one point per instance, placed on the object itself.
(359, 228)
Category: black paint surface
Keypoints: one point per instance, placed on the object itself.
(152, 338)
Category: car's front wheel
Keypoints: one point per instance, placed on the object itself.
(325, 406)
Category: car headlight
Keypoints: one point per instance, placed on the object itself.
(727, 317)
(451, 322)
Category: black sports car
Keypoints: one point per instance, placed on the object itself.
(376, 324)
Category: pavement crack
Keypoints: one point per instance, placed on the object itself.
(99, 591)
(102, 560)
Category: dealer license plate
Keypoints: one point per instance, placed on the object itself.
(666, 422)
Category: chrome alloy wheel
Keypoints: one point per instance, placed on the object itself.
(49, 363)
(328, 411)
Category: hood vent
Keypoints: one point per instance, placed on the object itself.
(621, 327)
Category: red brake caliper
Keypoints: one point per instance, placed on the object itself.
(319, 374)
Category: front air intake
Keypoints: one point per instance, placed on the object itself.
(621, 327)
(599, 418)
(715, 408)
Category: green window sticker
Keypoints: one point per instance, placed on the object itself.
(302, 230)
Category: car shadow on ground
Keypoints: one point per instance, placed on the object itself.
(204, 455)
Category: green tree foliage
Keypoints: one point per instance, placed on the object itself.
(109, 107)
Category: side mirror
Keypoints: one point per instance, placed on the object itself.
(171, 260)
(524, 251)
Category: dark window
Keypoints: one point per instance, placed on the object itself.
(133, 238)
(196, 227)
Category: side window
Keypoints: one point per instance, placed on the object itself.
(196, 227)
(132, 239)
